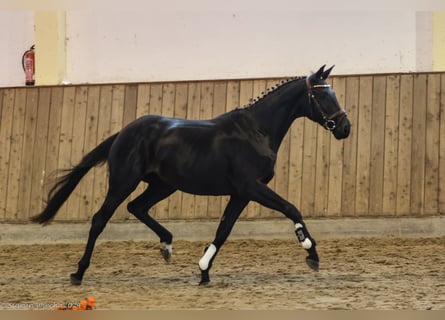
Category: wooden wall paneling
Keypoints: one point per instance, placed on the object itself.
(389, 206)
(432, 145)
(442, 147)
(350, 148)
(336, 160)
(418, 148)
(181, 96)
(143, 102)
(392, 163)
(26, 172)
(5, 149)
(103, 132)
(65, 144)
(296, 162)
(2, 92)
(117, 108)
(155, 99)
(39, 156)
(307, 205)
(130, 104)
(321, 178)
(403, 204)
(377, 145)
(86, 186)
(2, 166)
(15, 159)
(53, 142)
(364, 145)
(74, 202)
(180, 111)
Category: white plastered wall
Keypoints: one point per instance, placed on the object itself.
(205, 39)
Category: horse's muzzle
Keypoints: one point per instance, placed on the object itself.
(343, 129)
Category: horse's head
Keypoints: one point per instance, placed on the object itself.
(323, 105)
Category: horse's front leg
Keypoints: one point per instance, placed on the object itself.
(231, 214)
(262, 194)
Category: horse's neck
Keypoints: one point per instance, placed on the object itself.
(276, 112)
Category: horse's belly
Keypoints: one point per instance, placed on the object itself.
(200, 178)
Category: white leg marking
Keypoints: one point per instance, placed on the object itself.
(307, 243)
(205, 260)
(168, 247)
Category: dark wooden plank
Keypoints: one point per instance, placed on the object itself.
(377, 145)
(336, 158)
(403, 206)
(418, 148)
(53, 143)
(350, 147)
(432, 146)
(15, 159)
(364, 145)
(86, 187)
(77, 148)
(442, 146)
(130, 104)
(5, 147)
(39, 156)
(26, 174)
(391, 145)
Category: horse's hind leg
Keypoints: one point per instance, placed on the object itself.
(114, 198)
(139, 207)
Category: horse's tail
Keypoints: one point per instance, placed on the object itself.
(66, 184)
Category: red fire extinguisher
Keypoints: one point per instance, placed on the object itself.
(28, 64)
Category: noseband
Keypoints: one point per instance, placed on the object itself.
(328, 120)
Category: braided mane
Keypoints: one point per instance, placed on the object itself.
(271, 90)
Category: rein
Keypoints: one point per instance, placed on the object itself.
(329, 122)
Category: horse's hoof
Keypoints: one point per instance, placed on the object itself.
(313, 264)
(74, 280)
(205, 278)
(204, 282)
(165, 254)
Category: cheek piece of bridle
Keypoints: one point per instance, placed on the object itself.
(329, 122)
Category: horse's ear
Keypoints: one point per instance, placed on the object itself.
(320, 72)
(326, 73)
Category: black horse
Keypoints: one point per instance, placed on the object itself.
(233, 154)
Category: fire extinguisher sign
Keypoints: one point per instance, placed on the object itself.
(28, 64)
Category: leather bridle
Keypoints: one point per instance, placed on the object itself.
(329, 121)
